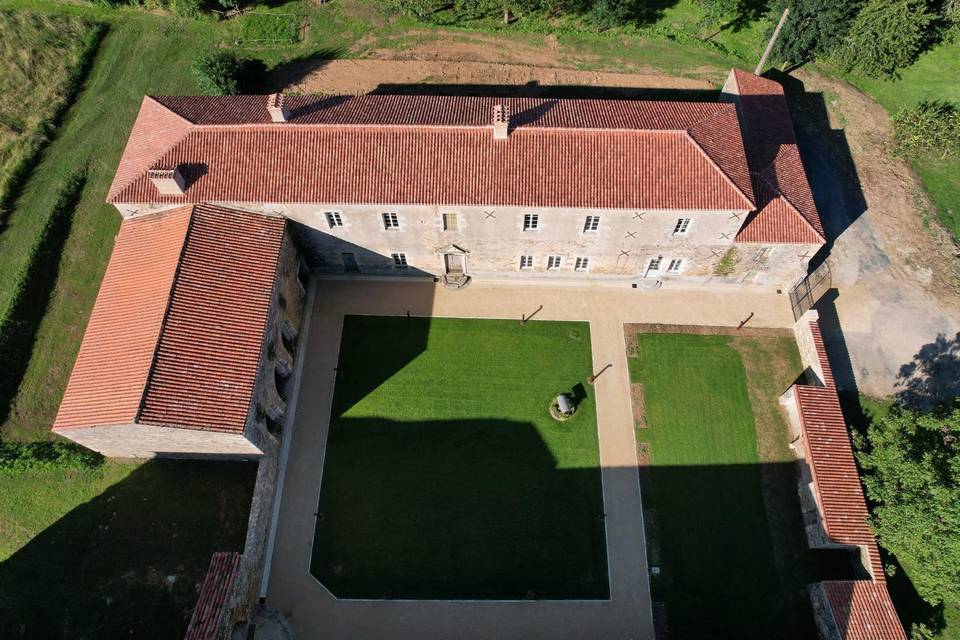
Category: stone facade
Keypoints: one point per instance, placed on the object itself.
(149, 441)
(621, 248)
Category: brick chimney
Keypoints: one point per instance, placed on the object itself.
(169, 182)
(277, 106)
(501, 122)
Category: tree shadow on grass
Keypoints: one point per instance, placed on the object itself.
(103, 569)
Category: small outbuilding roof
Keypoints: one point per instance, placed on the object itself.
(176, 332)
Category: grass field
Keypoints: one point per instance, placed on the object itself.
(932, 77)
(724, 520)
(445, 477)
(42, 52)
(117, 551)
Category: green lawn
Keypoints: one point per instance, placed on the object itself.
(445, 476)
(117, 551)
(725, 522)
(934, 76)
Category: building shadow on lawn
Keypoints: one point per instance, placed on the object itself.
(129, 562)
(458, 509)
(729, 567)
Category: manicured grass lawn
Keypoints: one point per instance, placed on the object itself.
(116, 551)
(725, 525)
(444, 475)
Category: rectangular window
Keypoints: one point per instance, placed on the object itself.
(553, 262)
(526, 262)
(675, 264)
(592, 223)
(450, 222)
(333, 219)
(654, 265)
(681, 227)
(390, 221)
(531, 222)
(582, 264)
(399, 260)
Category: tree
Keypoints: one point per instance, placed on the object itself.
(814, 29)
(218, 73)
(912, 465)
(928, 128)
(886, 36)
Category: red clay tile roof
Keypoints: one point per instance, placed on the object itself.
(155, 130)
(176, 333)
(209, 350)
(207, 619)
(786, 211)
(440, 150)
(113, 364)
(862, 608)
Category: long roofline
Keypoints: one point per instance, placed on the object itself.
(675, 117)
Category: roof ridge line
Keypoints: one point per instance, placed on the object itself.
(715, 165)
(780, 194)
(166, 315)
(373, 125)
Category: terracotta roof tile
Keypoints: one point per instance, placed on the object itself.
(783, 191)
(155, 130)
(207, 619)
(176, 333)
(111, 369)
(433, 150)
(862, 608)
(208, 353)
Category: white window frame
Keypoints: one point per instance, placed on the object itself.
(456, 221)
(391, 220)
(591, 224)
(399, 260)
(582, 264)
(334, 219)
(554, 262)
(653, 266)
(675, 266)
(682, 227)
(531, 222)
(526, 263)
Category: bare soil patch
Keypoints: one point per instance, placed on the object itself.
(631, 330)
(920, 250)
(355, 76)
(636, 397)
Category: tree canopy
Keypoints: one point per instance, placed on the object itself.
(912, 465)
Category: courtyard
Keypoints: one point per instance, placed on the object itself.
(514, 373)
(445, 476)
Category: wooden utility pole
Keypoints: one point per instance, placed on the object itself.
(773, 40)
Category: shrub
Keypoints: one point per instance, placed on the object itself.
(218, 73)
(26, 456)
(928, 128)
(186, 8)
(912, 465)
(886, 36)
(728, 263)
